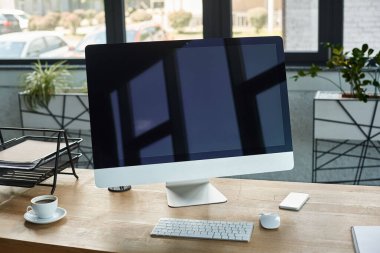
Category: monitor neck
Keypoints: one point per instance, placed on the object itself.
(193, 193)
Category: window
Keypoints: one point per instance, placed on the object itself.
(163, 20)
(361, 24)
(42, 27)
(294, 20)
(303, 24)
(257, 18)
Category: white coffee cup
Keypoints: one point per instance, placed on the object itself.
(44, 206)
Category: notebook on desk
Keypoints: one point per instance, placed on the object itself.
(366, 239)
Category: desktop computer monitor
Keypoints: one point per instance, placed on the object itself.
(181, 112)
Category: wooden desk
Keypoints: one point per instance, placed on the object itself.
(101, 221)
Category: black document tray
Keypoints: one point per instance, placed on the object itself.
(31, 173)
(47, 154)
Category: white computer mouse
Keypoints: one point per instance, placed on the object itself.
(270, 220)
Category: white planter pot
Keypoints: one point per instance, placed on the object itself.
(345, 118)
(346, 135)
(66, 110)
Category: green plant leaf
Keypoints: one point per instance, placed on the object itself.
(367, 82)
(377, 58)
(301, 73)
(364, 48)
(295, 77)
(337, 50)
(356, 52)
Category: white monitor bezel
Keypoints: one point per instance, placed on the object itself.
(193, 170)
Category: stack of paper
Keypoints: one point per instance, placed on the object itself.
(27, 154)
(366, 239)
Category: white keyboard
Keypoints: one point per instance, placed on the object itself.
(204, 229)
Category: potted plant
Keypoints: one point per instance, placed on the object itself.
(355, 68)
(347, 122)
(48, 100)
(40, 85)
(360, 68)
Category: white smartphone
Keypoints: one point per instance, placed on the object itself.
(294, 201)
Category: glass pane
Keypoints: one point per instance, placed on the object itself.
(61, 25)
(256, 18)
(154, 20)
(301, 26)
(295, 20)
(361, 24)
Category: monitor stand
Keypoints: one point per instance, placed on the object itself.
(193, 193)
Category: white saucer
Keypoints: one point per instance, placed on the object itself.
(32, 217)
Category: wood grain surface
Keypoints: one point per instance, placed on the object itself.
(101, 221)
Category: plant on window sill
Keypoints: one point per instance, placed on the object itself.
(352, 66)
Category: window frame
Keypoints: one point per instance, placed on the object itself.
(217, 22)
(330, 29)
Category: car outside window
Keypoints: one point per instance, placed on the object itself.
(54, 42)
(10, 49)
(36, 47)
(10, 17)
(8, 24)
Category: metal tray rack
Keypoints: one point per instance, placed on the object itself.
(48, 166)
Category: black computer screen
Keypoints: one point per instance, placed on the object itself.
(157, 102)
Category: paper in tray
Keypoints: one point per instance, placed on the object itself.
(8, 165)
(27, 153)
